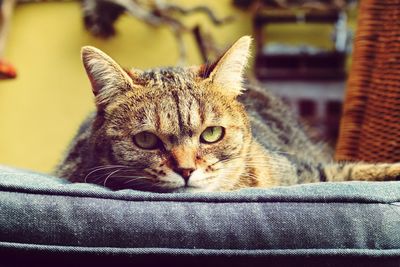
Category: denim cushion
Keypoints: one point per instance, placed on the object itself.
(46, 220)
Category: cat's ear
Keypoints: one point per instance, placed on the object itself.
(227, 73)
(107, 78)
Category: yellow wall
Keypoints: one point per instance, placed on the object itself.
(41, 109)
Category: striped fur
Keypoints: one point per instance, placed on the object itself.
(263, 146)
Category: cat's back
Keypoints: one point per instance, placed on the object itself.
(277, 128)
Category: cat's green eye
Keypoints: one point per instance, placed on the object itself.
(212, 134)
(146, 140)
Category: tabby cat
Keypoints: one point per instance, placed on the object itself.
(196, 129)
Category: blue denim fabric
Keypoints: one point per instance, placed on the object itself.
(42, 215)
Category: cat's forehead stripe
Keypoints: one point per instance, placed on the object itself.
(167, 77)
(177, 110)
(179, 115)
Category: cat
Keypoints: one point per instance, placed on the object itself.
(196, 129)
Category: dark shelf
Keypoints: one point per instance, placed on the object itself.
(308, 17)
(320, 66)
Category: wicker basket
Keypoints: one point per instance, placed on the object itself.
(370, 126)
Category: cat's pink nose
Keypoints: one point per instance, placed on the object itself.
(185, 173)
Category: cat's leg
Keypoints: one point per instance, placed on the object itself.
(288, 170)
(345, 171)
(362, 171)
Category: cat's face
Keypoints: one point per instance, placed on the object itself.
(172, 129)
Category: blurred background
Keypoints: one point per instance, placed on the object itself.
(301, 51)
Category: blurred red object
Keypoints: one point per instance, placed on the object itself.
(7, 71)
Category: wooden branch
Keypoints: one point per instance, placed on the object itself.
(201, 9)
(154, 13)
(136, 10)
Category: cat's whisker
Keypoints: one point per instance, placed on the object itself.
(123, 168)
(100, 168)
(107, 166)
(132, 176)
(110, 175)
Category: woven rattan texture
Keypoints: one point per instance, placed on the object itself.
(370, 126)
